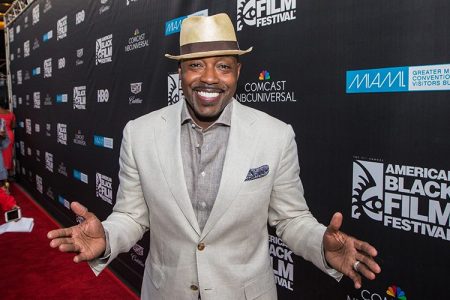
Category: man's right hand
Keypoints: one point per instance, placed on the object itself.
(87, 239)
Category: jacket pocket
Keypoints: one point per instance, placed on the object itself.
(260, 285)
(156, 275)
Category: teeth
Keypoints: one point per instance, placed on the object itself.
(208, 94)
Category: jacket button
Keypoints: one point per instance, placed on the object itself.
(201, 246)
(194, 287)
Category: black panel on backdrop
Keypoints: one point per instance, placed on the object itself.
(82, 69)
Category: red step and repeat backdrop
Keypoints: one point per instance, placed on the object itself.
(365, 85)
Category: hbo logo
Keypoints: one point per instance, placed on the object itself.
(102, 95)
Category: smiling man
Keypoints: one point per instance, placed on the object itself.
(206, 176)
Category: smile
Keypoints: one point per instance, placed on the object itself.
(208, 94)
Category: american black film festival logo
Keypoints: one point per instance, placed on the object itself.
(282, 263)
(259, 13)
(408, 198)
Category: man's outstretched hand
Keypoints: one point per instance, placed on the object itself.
(87, 239)
(348, 255)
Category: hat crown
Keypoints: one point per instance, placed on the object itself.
(197, 29)
(208, 36)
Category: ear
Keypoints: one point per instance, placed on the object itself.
(239, 65)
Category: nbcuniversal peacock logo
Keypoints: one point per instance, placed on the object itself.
(409, 198)
(396, 292)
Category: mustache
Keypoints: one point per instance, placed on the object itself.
(208, 87)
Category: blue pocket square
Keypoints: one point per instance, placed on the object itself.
(257, 173)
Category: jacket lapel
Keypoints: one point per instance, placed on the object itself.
(169, 151)
(241, 144)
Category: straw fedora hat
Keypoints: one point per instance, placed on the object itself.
(207, 36)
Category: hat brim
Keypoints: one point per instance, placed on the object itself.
(208, 54)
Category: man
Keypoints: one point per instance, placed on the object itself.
(205, 176)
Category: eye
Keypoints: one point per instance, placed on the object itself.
(224, 67)
(194, 65)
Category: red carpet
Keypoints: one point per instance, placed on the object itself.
(30, 269)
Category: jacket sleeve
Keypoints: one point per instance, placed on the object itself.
(289, 212)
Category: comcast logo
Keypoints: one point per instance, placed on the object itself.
(264, 75)
(396, 292)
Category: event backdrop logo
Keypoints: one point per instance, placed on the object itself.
(130, 1)
(79, 97)
(48, 68)
(35, 14)
(61, 63)
(35, 44)
(102, 141)
(47, 36)
(266, 90)
(49, 161)
(104, 6)
(37, 100)
(103, 187)
(61, 31)
(62, 169)
(102, 95)
(136, 89)
(137, 41)
(396, 292)
(78, 175)
(174, 25)
(61, 98)
(47, 6)
(264, 12)
(79, 60)
(39, 185)
(103, 49)
(38, 155)
(282, 263)
(175, 92)
(409, 198)
(400, 79)
(137, 254)
(26, 48)
(79, 138)
(79, 17)
(19, 77)
(64, 202)
(61, 133)
(392, 292)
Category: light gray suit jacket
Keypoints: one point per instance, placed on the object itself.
(234, 263)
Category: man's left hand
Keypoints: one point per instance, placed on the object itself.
(348, 255)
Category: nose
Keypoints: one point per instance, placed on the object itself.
(209, 75)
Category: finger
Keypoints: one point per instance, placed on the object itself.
(57, 242)
(71, 247)
(355, 277)
(369, 262)
(336, 222)
(81, 257)
(365, 271)
(79, 209)
(59, 233)
(365, 248)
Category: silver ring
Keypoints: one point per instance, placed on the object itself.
(355, 265)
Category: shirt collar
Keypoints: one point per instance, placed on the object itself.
(224, 118)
